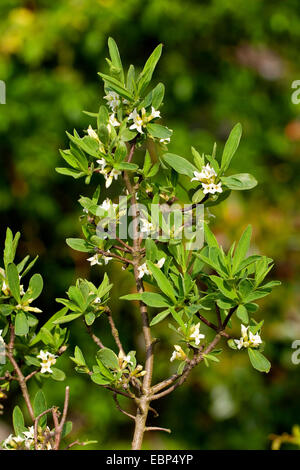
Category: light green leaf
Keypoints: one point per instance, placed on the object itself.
(13, 281)
(79, 245)
(242, 248)
(159, 317)
(239, 182)
(40, 405)
(231, 146)
(151, 299)
(179, 164)
(21, 324)
(162, 281)
(108, 358)
(259, 361)
(18, 421)
(242, 314)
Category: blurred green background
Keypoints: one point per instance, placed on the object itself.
(223, 62)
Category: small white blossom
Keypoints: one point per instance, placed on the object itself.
(154, 114)
(97, 300)
(195, 334)
(113, 174)
(212, 188)
(85, 210)
(124, 360)
(143, 270)
(178, 354)
(113, 100)
(138, 121)
(94, 260)
(147, 226)
(165, 141)
(30, 433)
(112, 121)
(102, 163)
(107, 205)
(160, 263)
(207, 177)
(47, 360)
(92, 133)
(248, 339)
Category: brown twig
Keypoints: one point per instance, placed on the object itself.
(156, 428)
(120, 409)
(114, 330)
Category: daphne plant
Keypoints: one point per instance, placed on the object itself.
(157, 231)
(29, 353)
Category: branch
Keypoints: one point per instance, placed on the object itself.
(120, 409)
(20, 376)
(190, 365)
(114, 330)
(155, 428)
(93, 336)
(113, 255)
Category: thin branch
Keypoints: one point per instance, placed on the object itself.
(20, 376)
(128, 247)
(120, 409)
(114, 330)
(113, 255)
(93, 336)
(155, 428)
(190, 365)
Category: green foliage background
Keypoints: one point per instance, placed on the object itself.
(223, 62)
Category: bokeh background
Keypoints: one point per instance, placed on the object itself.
(223, 62)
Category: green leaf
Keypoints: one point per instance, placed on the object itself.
(13, 281)
(40, 405)
(115, 57)
(35, 286)
(158, 95)
(18, 421)
(67, 318)
(108, 358)
(116, 86)
(151, 299)
(10, 246)
(79, 245)
(67, 428)
(21, 324)
(242, 248)
(242, 314)
(259, 361)
(147, 72)
(239, 182)
(158, 131)
(162, 281)
(49, 325)
(100, 379)
(209, 237)
(159, 317)
(57, 374)
(231, 146)
(179, 164)
(78, 356)
(68, 172)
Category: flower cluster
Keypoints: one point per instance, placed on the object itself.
(25, 441)
(97, 259)
(47, 360)
(207, 176)
(248, 339)
(108, 172)
(140, 121)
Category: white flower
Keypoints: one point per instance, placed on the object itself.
(124, 360)
(255, 340)
(107, 205)
(97, 300)
(160, 262)
(112, 121)
(147, 226)
(102, 163)
(7, 441)
(113, 174)
(154, 114)
(143, 270)
(165, 141)
(212, 188)
(195, 333)
(30, 433)
(248, 339)
(94, 260)
(207, 177)
(107, 258)
(92, 133)
(178, 354)
(85, 210)
(47, 360)
(138, 122)
(113, 100)
(206, 173)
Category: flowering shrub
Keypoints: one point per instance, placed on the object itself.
(155, 232)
